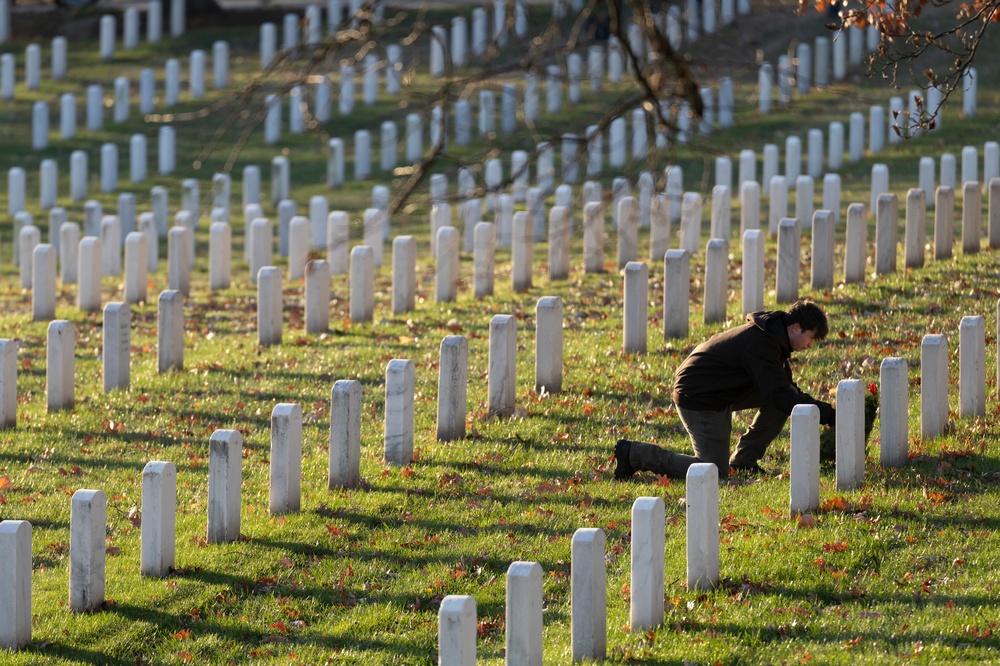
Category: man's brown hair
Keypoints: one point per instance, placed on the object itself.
(809, 317)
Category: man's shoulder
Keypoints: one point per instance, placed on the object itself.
(755, 340)
(742, 337)
(751, 330)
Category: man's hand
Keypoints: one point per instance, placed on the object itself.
(827, 414)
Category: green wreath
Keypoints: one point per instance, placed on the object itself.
(828, 436)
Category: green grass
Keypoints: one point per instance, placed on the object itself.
(904, 567)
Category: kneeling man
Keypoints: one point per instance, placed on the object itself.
(745, 367)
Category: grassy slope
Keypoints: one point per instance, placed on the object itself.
(903, 567)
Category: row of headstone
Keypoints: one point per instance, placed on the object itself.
(750, 197)
(16, 205)
(814, 65)
(901, 122)
(462, 109)
(86, 587)
(220, 72)
(439, 57)
(60, 370)
(814, 158)
(108, 27)
(893, 413)
(806, 217)
(487, 91)
(87, 580)
(676, 293)
(311, 35)
(792, 179)
(588, 581)
(60, 367)
(159, 502)
(646, 610)
(804, 189)
(32, 67)
(100, 256)
(788, 265)
(49, 196)
(579, 154)
(108, 33)
(548, 377)
(95, 221)
(122, 99)
(180, 249)
(456, 47)
(458, 625)
(218, 247)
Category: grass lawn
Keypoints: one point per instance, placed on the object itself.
(903, 568)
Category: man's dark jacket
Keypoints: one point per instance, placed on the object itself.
(743, 360)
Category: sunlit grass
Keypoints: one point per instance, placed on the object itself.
(903, 567)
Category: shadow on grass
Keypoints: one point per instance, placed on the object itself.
(49, 650)
(43, 524)
(349, 592)
(336, 597)
(901, 643)
(17, 458)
